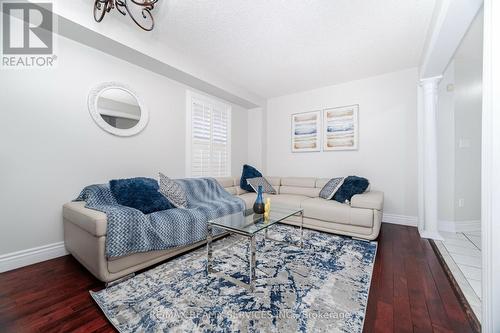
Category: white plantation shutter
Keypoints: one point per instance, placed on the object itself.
(210, 126)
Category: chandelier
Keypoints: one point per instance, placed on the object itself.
(101, 7)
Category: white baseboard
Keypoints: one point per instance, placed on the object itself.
(27, 257)
(411, 221)
(471, 225)
(459, 226)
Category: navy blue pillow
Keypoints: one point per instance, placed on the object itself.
(352, 185)
(248, 172)
(139, 193)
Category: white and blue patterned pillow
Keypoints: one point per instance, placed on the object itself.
(172, 191)
(330, 188)
(261, 181)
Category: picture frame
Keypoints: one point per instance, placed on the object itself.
(306, 132)
(341, 128)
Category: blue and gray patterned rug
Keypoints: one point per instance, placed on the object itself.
(321, 288)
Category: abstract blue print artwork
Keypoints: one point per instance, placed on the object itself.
(306, 131)
(340, 128)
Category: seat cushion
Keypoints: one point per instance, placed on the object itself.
(284, 200)
(333, 211)
(288, 200)
(249, 198)
(310, 192)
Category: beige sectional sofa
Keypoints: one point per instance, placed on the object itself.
(361, 219)
(85, 229)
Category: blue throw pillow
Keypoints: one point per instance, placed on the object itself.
(248, 172)
(352, 185)
(139, 193)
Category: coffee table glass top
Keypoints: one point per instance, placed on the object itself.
(248, 223)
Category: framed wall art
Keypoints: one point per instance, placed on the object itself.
(306, 128)
(340, 128)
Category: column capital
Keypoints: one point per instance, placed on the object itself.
(430, 81)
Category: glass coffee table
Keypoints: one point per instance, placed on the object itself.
(248, 224)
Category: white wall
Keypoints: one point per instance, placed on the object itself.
(255, 138)
(446, 149)
(387, 153)
(50, 147)
(459, 133)
(468, 64)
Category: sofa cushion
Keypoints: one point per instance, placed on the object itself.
(239, 190)
(249, 198)
(333, 211)
(139, 193)
(331, 187)
(320, 182)
(352, 185)
(370, 200)
(275, 181)
(284, 200)
(288, 200)
(261, 181)
(172, 191)
(310, 192)
(225, 181)
(231, 190)
(298, 181)
(247, 173)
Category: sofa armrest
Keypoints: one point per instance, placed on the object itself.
(370, 200)
(90, 220)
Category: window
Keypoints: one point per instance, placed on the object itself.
(208, 137)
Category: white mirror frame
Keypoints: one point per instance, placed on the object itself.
(94, 110)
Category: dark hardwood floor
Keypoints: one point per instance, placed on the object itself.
(409, 293)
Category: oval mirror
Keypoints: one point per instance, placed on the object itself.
(117, 109)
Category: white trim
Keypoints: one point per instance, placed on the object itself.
(27, 257)
(490, 164)
(460, 226)
(400, 219)
(430, 235)
(450, 22)
(465, 226)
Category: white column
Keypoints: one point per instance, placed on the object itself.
(428, 177)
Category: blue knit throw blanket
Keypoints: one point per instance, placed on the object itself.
(130, 231)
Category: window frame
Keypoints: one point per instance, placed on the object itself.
(211, 101)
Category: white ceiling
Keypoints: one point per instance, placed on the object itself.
(276, 47)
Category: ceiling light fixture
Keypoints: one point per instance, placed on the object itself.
(101, 7)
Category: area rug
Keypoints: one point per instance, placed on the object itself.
(322, 287)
